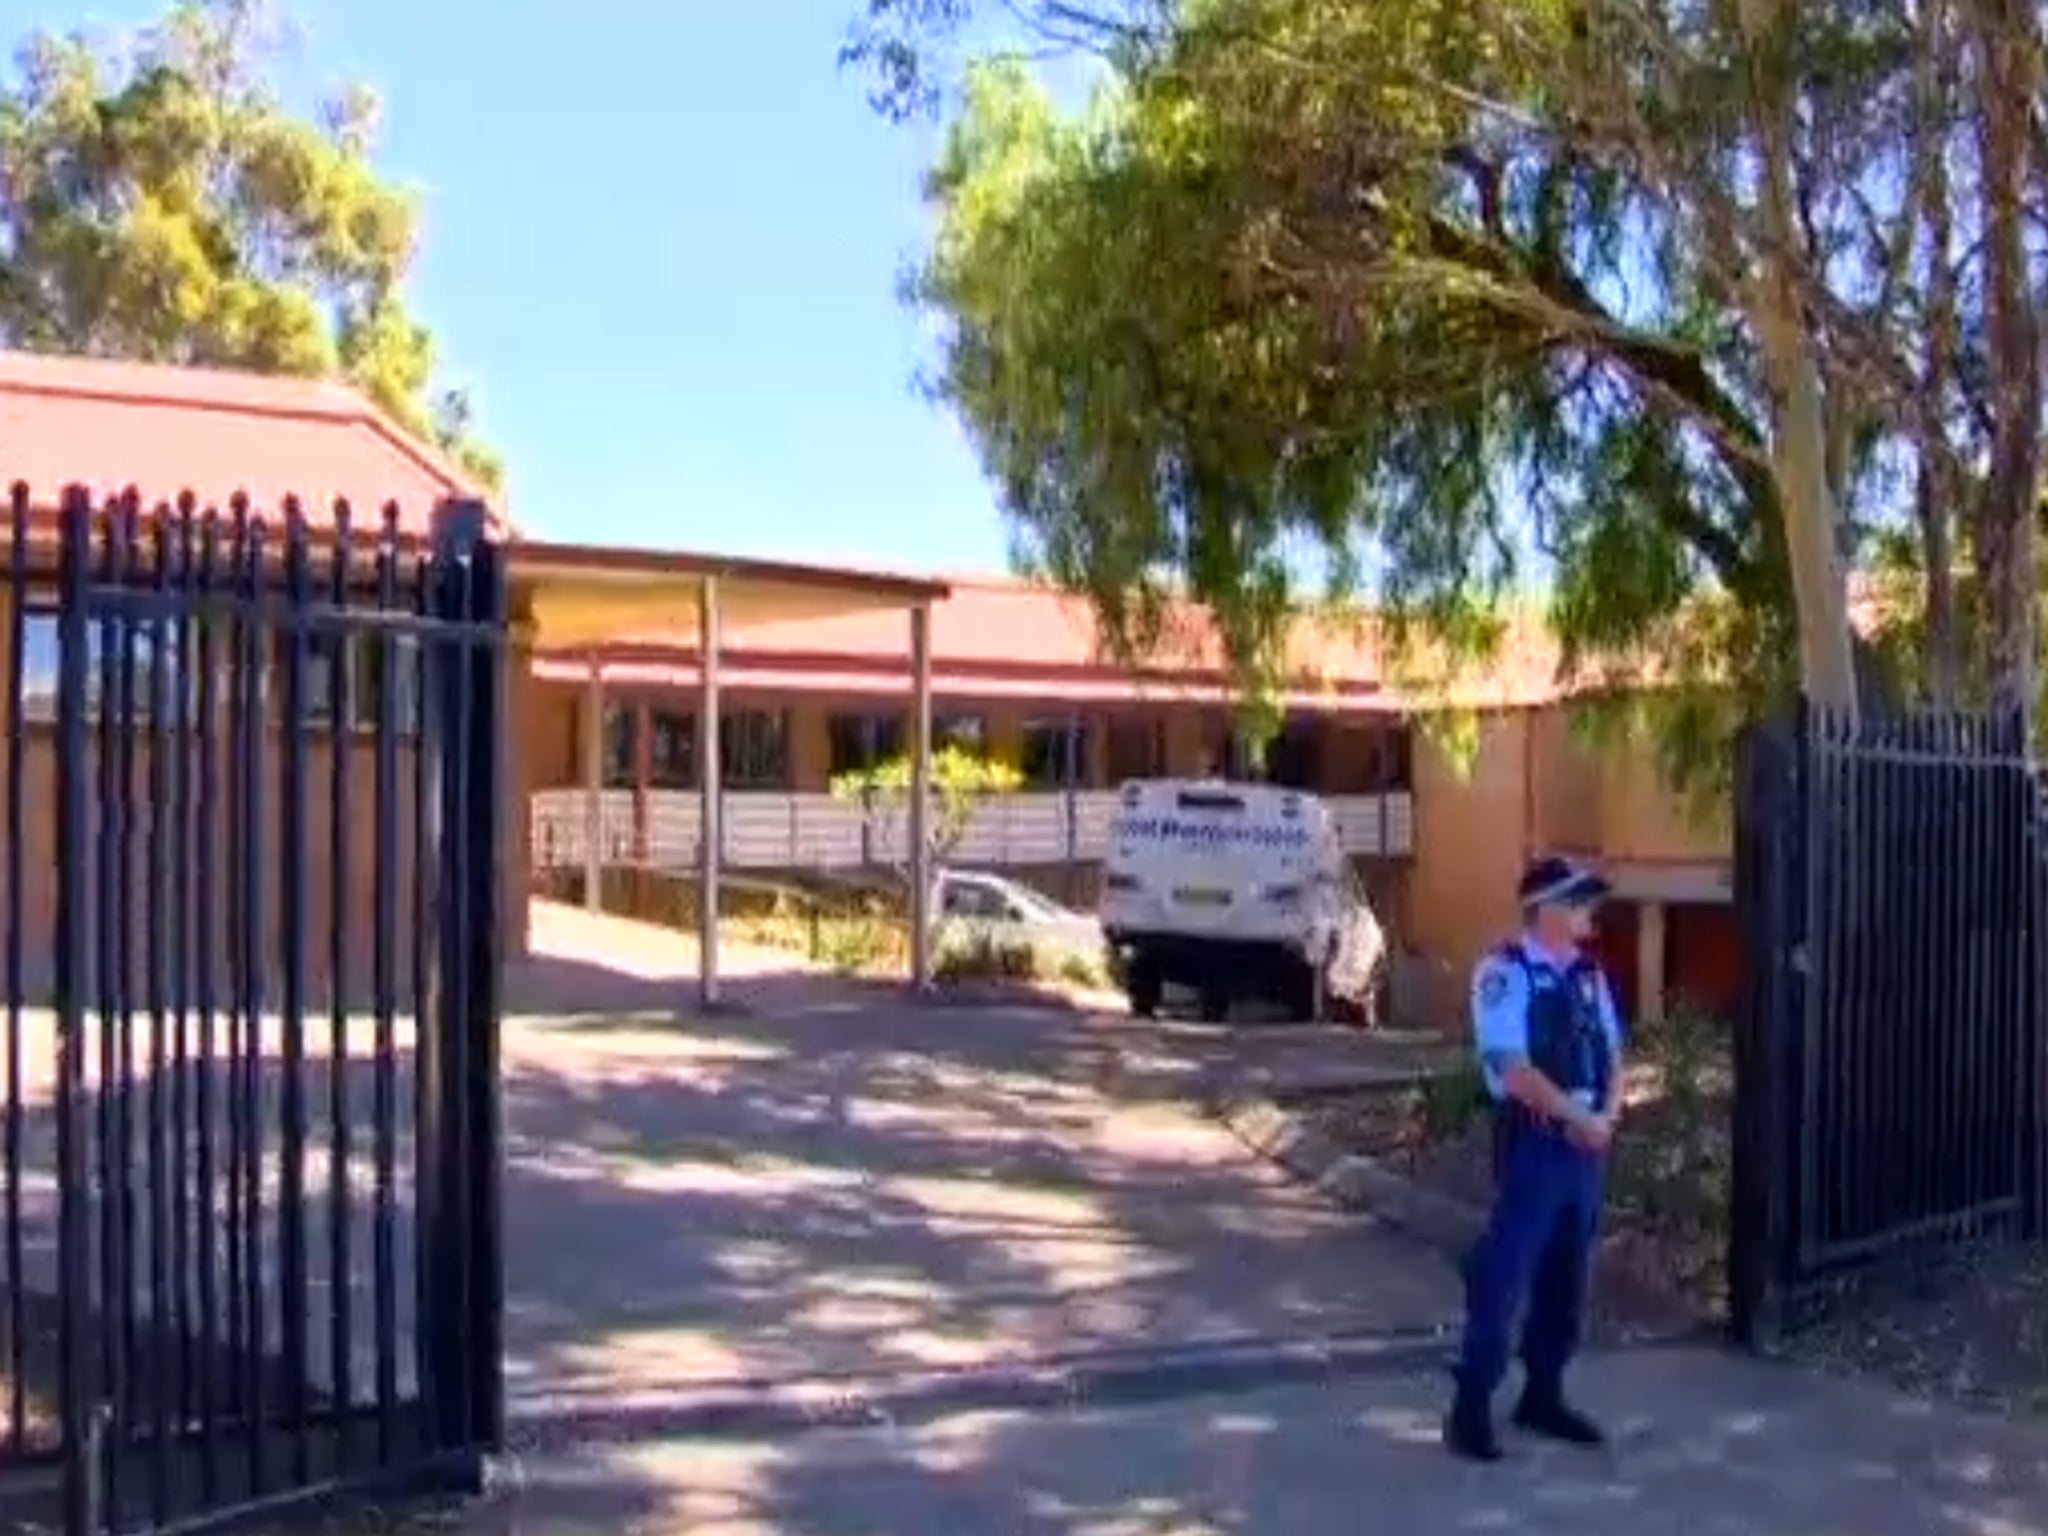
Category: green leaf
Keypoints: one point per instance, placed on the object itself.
(960, 782)
(159, 203)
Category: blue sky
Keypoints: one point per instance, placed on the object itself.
(662, 239)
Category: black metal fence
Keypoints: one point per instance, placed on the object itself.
(251, 915)
(1891, 1062)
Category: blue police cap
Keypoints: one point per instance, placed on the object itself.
(1552, 881)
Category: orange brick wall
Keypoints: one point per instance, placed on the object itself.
(1471, 838)
(1565, 794)
(810, 747)
(1529, 787)
(314, 871)
(1640, 819)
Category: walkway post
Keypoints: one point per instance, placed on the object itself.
(921, 798)
(711, 833)
(593, 787)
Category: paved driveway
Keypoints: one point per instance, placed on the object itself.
(833, 1181)
(836, 1183)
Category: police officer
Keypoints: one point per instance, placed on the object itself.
(1549, 1041)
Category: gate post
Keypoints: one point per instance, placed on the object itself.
(463, 1248)
(1770, 898)
(2034, 1019)
(74, 674)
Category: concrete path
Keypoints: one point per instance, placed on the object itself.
(835, 1181)
(1707, 1444)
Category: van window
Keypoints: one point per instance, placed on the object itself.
(1208, 800)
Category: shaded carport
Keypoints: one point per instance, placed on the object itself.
(575, 599)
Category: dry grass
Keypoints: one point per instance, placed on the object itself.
(1973, 1331)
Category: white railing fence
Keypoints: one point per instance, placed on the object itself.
(772, 830)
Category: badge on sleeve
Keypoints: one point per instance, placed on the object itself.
(1493, 985)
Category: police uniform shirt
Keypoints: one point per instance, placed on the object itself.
(1500, 1009)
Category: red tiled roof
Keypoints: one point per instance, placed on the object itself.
(165, 430)
(770, 673)
(998, 629)
(995, 638)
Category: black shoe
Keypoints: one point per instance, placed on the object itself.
(1551, 1416)
(1468, 1433)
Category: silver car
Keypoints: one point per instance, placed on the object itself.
(982, 906)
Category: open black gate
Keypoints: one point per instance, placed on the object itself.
(251, 924)
(1891, 1057)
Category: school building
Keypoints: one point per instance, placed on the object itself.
(1020, 672)
(817, 671)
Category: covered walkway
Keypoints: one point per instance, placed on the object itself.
(571, 600)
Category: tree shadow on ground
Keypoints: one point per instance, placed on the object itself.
(836, 1181)
(1732, 1444)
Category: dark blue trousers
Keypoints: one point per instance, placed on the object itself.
(1536, 1252)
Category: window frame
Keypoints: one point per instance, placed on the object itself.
(951, 728)
(882, 736)
(1126, 723)
(730, 745)
(619, 752)
(682, 725)
(39, 679)
(1076, 751)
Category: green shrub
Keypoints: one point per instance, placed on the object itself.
(860, 942)
(1672, 1162)
(1453, 1100)
(1079, 970)
(965, 957)
(981, 957)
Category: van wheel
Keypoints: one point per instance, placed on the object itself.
(1212, 1002)
(1378, 1004)
(1142, 988)
(1311, 1000)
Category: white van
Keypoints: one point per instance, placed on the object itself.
(1237, 891)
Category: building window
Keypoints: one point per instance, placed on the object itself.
(1225, 753)
(1294, 757)
(961, 732)
(40, 665)
(1351, 763)
(860, 742)
(753, 748)
(1384, 765)
(153, 693)
(1136, 747)
(671, 749)
(371, 665)
(1055, 754)
(1397, 748)
(353, 666)
(316, 674)
(621, 744)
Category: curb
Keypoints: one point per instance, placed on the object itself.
(1106, 1379)
(1443, 1223)
(1352, 1179)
